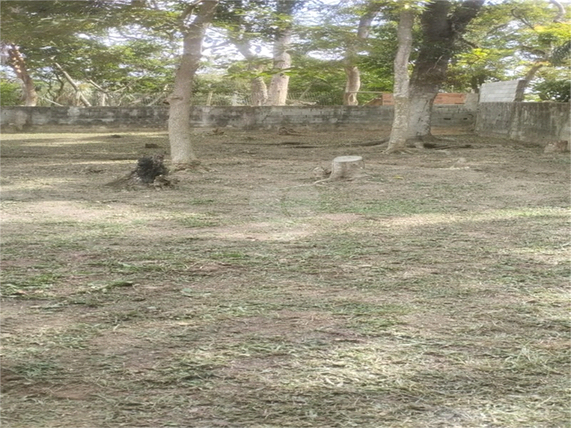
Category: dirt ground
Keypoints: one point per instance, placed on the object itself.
(430, 292)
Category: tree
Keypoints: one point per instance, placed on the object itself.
(194, 21)
(443, 25)
(243, 21)
(397, 140)
(36, 34)
(514, 39)
(543, 43)
(278, 90)
(18, 64)
(355, 44)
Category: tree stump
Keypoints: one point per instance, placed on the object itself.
(346, 168)
(150, 171)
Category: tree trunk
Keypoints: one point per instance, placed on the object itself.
(520, 92)
(441, 28)
(353, 83)
(182, 153)
(258, 89)
(277, 93)
(352, 86)
(18, 64)
(397, 141)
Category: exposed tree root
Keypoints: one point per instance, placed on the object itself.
(282, 130)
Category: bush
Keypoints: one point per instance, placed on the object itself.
(553, 90)
(10, 93)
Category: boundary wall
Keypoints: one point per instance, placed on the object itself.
(533, 122)
(117, 118)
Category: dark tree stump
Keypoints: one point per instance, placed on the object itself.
(149, 168)
(150, 171)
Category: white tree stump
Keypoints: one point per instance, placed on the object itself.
(346, 168)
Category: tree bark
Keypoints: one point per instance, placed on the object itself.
(277, 93)
(258, 89)
(18, 64)
(441, 29)
(353, 83)
(278, 90)
(520, 92)
(397, 140)
(182, 153)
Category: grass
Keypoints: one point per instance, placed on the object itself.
(389, 302)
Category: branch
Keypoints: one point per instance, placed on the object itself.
(522, 19)
(560, 11)
(73, 84)
(463, 15)
(367, 19)
(187, 12)
(472, 45)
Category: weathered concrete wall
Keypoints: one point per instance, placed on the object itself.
(116, 118)
(46, 118)
(534, 122)
(539, 122)
(500, 92)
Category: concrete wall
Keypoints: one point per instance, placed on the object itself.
(534, 122)
(500, 92)
(117, 118)
(46, 118)
(538, 122)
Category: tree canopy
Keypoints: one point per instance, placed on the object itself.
(126, 51)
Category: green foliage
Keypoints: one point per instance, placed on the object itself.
(553, 90)
(10, 93)
(132, 47)
(506, 39)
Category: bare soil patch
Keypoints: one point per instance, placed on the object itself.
(430, 292)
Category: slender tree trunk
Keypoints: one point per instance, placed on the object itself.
(18, 64)
(441, 27)
(520, 93)
(397, 141)
(182, 153)
(258, 89)
(353, 83)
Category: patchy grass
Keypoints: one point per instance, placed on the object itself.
(422, 295)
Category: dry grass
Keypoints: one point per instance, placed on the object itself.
(431, 293)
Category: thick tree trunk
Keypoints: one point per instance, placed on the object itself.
(442, 25)
(18, 64)
(277, 94)
(420, 115)
(397, 140)
(182, 153)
